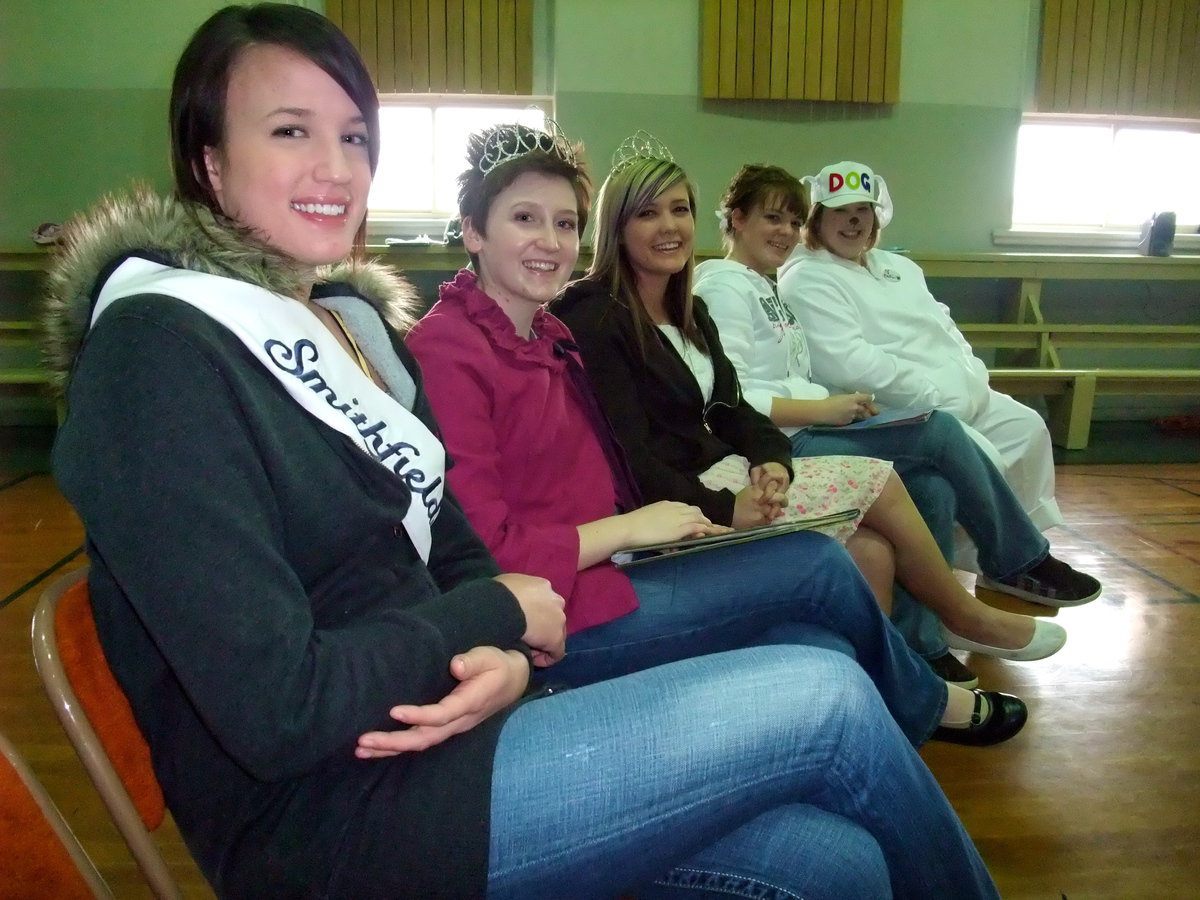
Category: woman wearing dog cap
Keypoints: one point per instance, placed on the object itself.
(872, 325)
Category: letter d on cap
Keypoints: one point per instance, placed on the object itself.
(835, 182)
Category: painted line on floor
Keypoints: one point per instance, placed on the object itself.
(13, 482)
(1184, 595)
(40, 578)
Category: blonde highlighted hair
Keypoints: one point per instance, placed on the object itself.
(631, 186)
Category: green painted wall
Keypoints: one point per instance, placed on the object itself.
(83, 92)
(83, 97)
(931, 155)
(946, 149)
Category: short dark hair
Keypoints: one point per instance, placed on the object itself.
(201, 84)
(477, 189)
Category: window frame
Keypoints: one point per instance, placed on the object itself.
(391, 226)
(1103, 237)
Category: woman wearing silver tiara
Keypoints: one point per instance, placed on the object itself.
(655, 360)
(539, 471)
(540, 476)
(948, 475)
(331, 673)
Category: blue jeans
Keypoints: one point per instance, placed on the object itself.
(799, 588)
(769, 772)
(932, 458)
(916, 622)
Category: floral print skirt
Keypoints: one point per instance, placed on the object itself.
(821, 485)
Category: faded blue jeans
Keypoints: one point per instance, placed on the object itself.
(769, 772)
(950, 480)
(800, 588)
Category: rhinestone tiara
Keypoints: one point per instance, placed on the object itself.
(509, 142)
(640, 145)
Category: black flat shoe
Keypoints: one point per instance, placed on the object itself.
(1006, 717)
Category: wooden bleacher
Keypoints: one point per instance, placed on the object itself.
(1032, 366)
(21, 377)
(1028, 360)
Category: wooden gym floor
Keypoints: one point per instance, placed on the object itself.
(1099, 797)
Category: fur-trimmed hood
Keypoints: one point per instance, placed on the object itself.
(190, 237)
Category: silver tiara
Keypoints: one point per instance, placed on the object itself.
(640, 145)
(508, 142)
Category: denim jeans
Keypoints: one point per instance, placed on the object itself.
(917, 623)
(930, 457)
(799, 588)
(767, 772)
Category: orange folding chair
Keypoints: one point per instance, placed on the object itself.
(42, 857)
(99, 722)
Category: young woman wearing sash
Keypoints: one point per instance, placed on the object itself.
(332, 674)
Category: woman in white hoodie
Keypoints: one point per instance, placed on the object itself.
(761, 215)
(873, 324)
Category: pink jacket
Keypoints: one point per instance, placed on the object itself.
(527, 465)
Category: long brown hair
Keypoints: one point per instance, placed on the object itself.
(627, 189)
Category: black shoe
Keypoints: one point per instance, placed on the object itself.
(1006, 716)
(948, 668)
(1051, 583)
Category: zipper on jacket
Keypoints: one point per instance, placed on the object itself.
(709, 408)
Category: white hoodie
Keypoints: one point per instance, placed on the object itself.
(759, 333)
(878, 328)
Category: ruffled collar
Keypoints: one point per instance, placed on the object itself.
(482, 310)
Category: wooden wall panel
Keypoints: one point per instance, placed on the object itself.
(745, 49)
(838, 50)
(1120, 57)
(797, 27)
(780, 34)
(810, 50)
(442, 46)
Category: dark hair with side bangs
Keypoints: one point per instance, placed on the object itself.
(201, 85)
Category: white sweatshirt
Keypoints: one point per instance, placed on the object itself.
(759, 334)
(878, 329)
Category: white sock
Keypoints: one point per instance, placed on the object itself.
(960, 707)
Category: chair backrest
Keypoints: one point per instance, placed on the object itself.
(99, 722)
(42, 857)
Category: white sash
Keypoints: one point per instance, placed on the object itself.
(295, 347)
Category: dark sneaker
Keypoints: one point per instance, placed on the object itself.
(1051, 583)
(948, 668)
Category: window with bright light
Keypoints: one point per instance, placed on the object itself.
(423, 140)
(1106, 174)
